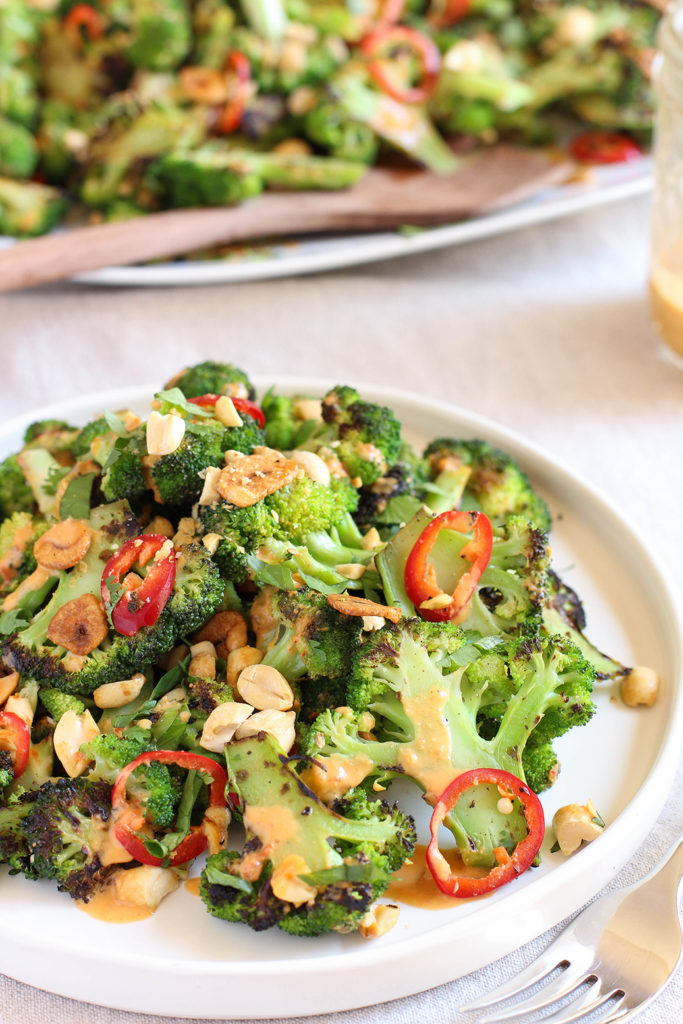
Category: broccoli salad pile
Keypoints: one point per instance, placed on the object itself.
(227, 629)
(129, 106)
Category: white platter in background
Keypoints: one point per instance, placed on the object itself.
(183, 963)
(313, 256)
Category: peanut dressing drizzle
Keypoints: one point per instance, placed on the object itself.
(104, 906)
(413, 883)
(336, 775)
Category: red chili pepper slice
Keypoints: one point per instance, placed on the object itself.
(83, 16)
(604, 148)
(231, 116)
(376, 45)
(449, 12)
(141, 604)
(15, 737)
(195, 842)
(420, 578)
(241, 405)
(510, 865)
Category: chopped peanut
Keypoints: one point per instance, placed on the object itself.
(63, 545)
(115, 695)
(264, 687)
(222, 724)
(640, 686)
(287, 885)
(575, 824)
(71, 731)
(379, 920)
(80, 625)
(239, 660)
(162, 525)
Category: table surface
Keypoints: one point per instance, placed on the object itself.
(545, 330)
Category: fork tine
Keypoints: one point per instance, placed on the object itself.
(536, 971)
(569, 980)
(591, 1000)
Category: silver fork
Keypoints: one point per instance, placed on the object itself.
(616, 956)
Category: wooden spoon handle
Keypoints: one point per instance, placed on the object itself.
(157, 236)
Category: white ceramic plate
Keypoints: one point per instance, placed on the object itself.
(183, 963)
(313, 256)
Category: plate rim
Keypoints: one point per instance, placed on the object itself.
(594, 860)
(613, 184)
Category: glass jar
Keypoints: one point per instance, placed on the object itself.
(666, 271)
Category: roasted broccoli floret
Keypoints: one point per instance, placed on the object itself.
(159, 34)
(62, 830)
(57, 703)
(369, 435)
(495, 484)
(328, 125)
(13, 847)
(15, 493)
(563, 613)
(418, 688)
(178, 478)
(396, 496)
(314, 641)
(18, 151)
(510, 593)
(212, 378)
(55, 435)
(6, 769)
(281, 422)
(321, 874)
(151, 786)
(197, 593)
(28, 208)
(288, 515)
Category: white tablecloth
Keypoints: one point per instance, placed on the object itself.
(545, 330)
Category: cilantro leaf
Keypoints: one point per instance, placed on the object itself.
(76, 499)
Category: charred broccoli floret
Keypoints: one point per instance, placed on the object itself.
(212, 378)
(563, 613)
(197, 592)
(369, 435)
(419, 686)
(28, 208)
(15, 493)
(510, 593)
(288, 515)
(314, 640)
(152, 786)
(319, 877)
(62, 831)
(495, 483)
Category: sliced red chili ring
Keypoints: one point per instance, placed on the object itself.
(244, 405)
(510, 865)
(448, 12)
(83, 16)
(420, 577)
(195, 841)
(15, 737)
(598, 147)
(376, 46)
(139, 605)
(230, 117)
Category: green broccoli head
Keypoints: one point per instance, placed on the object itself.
(496, 485)
(197, 593)
(368, 435)
(18, 151)
(178, 478)
(14, 850)
(152, 786)
(325, 865)
(213, 378)
(98, 428)
(62, 830)
(6, 776)
(281, 421)
(15, 493)
(159, 34)
(28, 208)
(330, 126)
(314, 640)
(57, 703)
(425, 698)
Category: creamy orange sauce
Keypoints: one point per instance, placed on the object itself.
(427, 758)
(192, 885)
(106, 845)
(666, 306)
(104, 906)
(413, 883)
(336, 775)
(274, 826)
